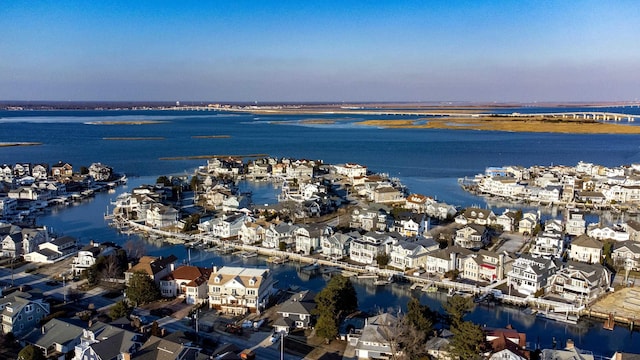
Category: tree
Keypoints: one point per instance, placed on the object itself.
(84, 170)
(456, 308)
(142, 289)
(336, 300)
(30, 352)
(191, 223)
(111, 268)
(382, 259)
(282, 246)
(163, 180)
(467, 341)
(421, 317)
(118, 310)
(134, 249)
(155, 329)
(195, 182)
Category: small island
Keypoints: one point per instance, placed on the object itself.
(9, 144)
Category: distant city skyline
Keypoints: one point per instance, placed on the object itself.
(324, 51)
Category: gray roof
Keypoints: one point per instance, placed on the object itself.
(56, 331)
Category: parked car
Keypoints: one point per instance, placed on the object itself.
(233, 329)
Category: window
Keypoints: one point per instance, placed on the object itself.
(30, 318)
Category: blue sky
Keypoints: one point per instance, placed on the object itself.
(502, 51)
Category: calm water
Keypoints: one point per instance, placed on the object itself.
(428, 161)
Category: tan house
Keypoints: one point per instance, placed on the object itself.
(238, 290)
(586, 249)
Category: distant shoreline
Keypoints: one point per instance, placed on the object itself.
(9, 144)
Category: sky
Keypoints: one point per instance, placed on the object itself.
(301, 51)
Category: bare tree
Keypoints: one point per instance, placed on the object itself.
(134, 248)
(111, 269)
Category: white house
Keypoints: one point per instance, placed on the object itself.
(584, 248)
(237, 290)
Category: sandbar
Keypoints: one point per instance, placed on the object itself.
(134, 122)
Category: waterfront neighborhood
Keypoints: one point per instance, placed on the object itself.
(338, 220)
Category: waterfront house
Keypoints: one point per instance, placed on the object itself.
(187, 281)
(308, 237)
(40, 171)
(410, 254)
(161, 216)
(485, 266)
(296, 312)
(336, 246)
(530, 274)
(100, 172)
(448, 259)
(21, 170)
(477, 216)
(507, 220)
(350, 170)
(57, 337)
(258, 169)
(251, 233)
(472, 236)
(387, 194)
(227, 226)
(61, 171)
(584, 248)
(379, 338)
(627, 254)
(607, 233)
(441, 211)
(21, 314)
(579, 282)
(6, 173)
(275, 234)
(237, 290)
(155, 267)
(365, 249)
(575, 223)
(416, 203)
(107, 342)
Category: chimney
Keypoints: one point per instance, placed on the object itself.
(125, 356)
(215, 269)
(570, 345)
(42, 330)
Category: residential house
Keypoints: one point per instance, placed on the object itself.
(282, 232)
(161, 216)
(448, 259)
(529, 275)
(296, 312)
(308, 237)
(237, 290)
(387, 194)
(627, 254)
(438, 346)
(410, 224)
(21, 170)
(336, 246)
(61, 170)
(40, 171)
(507, 220)
(100, 172)
(366, 248)
(8, 207)
(188, 281)
(575, 223)
(87, 255)
(615, 233)
(21, 314)
(351, 170)
(528, 223)
(506, 344)
(579, 282)
(32, 238)
(370, 218)
(171, 347)
(107, 342)
(225, 227)
(155, 267)
(549, 243)
(57, 337)
(416, 202)
(484, 265)
(584, 248)
(379, 338)
(411, 254)
(251, 233)
(472, 237)
(478, 216)
(52, 251)
(633, 228)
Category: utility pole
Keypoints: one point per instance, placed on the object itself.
(281, 345)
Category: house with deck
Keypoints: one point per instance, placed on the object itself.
(21, 313)
(238, 290)
(586, 249)
(579, 282)
(529, 274)
(187, 281)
